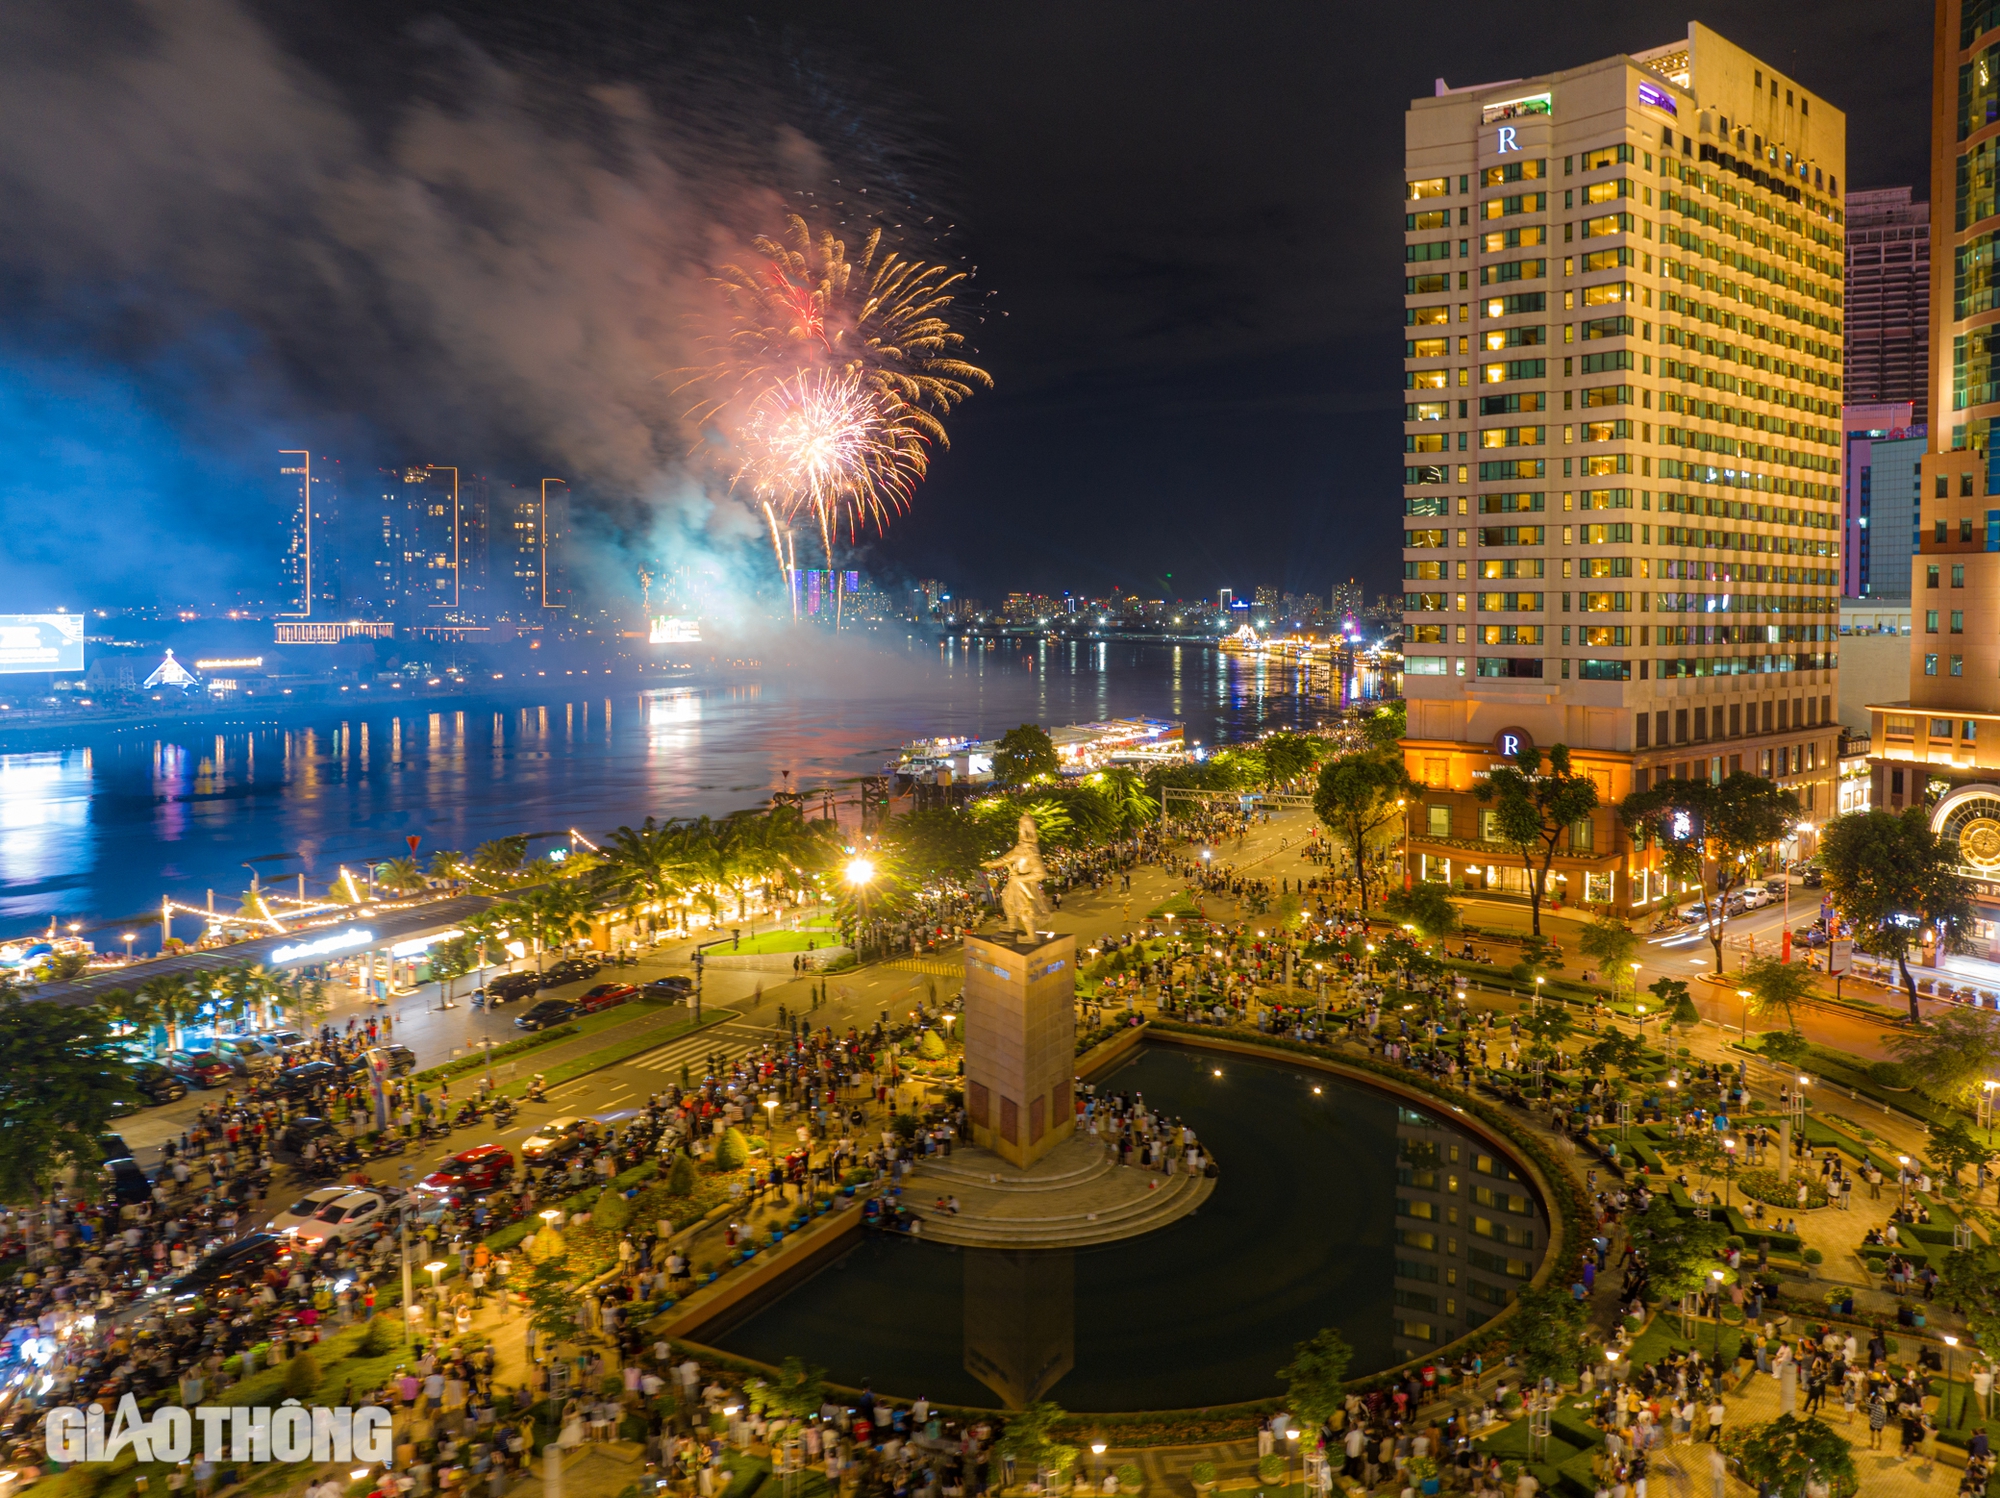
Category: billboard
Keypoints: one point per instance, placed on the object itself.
(40, 642)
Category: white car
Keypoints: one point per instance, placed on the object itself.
(332, 1212)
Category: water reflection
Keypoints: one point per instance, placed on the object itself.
(109, 827)
(1020, 1320)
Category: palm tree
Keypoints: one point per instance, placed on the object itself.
(171, 1001)
(554, 915)
(497, 864)
(129, 1013)
(399, 876)
(1125, 788)
(484, 929)
(646, 866)
(448, 867)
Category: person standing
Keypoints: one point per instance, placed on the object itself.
(1715, 1414)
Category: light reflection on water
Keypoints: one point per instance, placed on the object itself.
(100, 831)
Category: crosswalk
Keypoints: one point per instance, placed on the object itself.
(729, 1040)
(933, 966)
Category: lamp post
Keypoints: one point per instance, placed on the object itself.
(1292, 1439)
(1986, 1107)
(436, 1268)
(1744, 1028)
(1902, 1180)
(1635, 982)
(1949, 1343)
(1728, 1170)
(1716, 1276)
(130, 937)
(1539, 981)
(1097, 1461)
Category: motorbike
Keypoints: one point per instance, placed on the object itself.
(503, 1111)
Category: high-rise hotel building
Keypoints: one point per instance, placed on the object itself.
(1940, 746)
(1622, 427)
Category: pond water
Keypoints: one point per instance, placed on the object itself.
(1335, 1207)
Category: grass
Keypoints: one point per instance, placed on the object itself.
(813, 938)
(1179, 904)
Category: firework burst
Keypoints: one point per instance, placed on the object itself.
(833, 378)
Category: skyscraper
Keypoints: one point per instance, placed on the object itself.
(1940, 746)
(1622, 426)
(1888, 298)
(1866, 567)
(309, 572)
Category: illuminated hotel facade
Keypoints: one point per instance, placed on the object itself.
(1622, 429)
(1940, 745)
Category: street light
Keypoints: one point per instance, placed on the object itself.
(1903, 1180)
(1744, 995)
(1292, 1435)
(130, 937)
(1716, 1275)
(1097, 1459)
(1539, 981)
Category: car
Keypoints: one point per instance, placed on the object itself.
(400, 1058)
(234, 1264)
(200, 1068)
(280, 1041)
(245, 1055)
(1777, 884)
(1810, 936)
(290, 1146)
(470, 1173)
(510, 986)
(1756, 897)
(332, 1212)
(673, 990)
(156, 1084)
(1813, 878)
(297, 1081)
(556, 1139)
(546, 1012)
(604, 996)
(128, 1184)
(571, 970)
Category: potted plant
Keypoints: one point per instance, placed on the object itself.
(1130, 1478)
(1202, 1475)
(1271, 1469)
(1422, 1471)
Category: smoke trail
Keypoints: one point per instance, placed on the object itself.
(495, 269)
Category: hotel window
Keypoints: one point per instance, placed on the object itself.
(1958, 574)
(1958, 621)
(1438, 821)
(1930, 621)
(1958, 665)
(1930, 665)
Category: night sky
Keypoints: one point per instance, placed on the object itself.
(1185, 223)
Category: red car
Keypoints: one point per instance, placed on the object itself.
(200, 1068)
(472, 1173)
(604, 995)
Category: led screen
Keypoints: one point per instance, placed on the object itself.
(40, 642)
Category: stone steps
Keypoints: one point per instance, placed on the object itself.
(939, 1168)
(1156, 1209)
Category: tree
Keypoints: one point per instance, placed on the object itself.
(1287, 756)
(453, 959)
(1029, 1440)
(1547, 1332)
(1950, 1055)
(496, 864)
(1787, 1048)
(1674, 997)
(1386, 727)
(399, 876)
(646, 866)
(1788, 1453)
(682, 1179)
(1972, 1285)
(1708, 834)
(1891, 878)
(1424, 905)
(1680, 1251)
(1315, 1379)
(732, 1150)
(1609, 943)
(1955, 1148)
(939, 842)
(551, 1299)
(1359, 797)
(1776, 988)
(1534, 812)
(799, 1389)
(1124, 788)
(1025, 754)
(172, 1001)
(63, 1080)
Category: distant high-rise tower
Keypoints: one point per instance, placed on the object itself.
(310, 571)
(1887, 350)
(555, 541)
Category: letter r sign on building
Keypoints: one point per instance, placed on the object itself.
(1507, 142)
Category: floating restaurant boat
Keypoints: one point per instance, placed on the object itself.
(1080, 747)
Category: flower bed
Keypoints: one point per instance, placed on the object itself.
(1764, 1186)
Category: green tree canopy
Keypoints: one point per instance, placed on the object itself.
(1789, 1452)
(1609, 943)
(1315, 1379)
(1951, 1055)
(1025, 754)
(1424, 905)
(63, 1080)
(1680, 1251)
(1360, 798)
(1535, 810)
(1776, 988)
(1029, 1439)
(1891, 877)
(1547, 1331)
(1956, 1148)
(1709, 833)
(1287, 756)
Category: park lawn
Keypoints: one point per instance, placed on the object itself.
(812, 938)
(1178, 904)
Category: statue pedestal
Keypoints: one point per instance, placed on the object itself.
(1020, 1044)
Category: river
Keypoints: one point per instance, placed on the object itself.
(98, 831)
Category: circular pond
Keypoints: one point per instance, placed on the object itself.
(1336, 1206)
